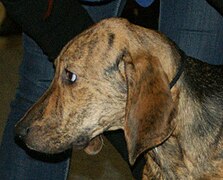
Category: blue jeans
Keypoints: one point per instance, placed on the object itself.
(195, 26)
(36, 73)
(98, 13)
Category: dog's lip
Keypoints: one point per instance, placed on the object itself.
(81, 142)
(79, 146)
(94, 146)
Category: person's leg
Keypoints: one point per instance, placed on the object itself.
(17, 163)
(102, 11)
(195, 26)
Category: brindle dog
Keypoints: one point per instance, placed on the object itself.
(117, 75)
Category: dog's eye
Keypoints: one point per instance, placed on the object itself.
(70, 76)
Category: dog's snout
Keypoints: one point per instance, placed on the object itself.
(21, 131)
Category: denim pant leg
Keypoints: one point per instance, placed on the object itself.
(195, 26)
(17, 163)
(112, 9)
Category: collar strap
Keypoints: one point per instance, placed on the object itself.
(179, 72)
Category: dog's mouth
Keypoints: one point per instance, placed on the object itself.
(90, 146)
(34, 140)
(81, 142)
(94, 146)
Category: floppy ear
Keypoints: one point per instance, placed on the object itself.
(149, 105)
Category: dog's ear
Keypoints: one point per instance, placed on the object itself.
(149, 105)
(95, 145)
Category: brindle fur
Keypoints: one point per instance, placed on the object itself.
(123, 75)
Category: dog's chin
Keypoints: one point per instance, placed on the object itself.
(90, 146)
(48, 150)
(45, 148)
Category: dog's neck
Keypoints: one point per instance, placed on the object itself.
(191, 158)
(194, 149)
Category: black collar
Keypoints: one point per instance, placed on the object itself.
(179, 72)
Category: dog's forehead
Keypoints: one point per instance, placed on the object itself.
(87, 46)
(92, 47)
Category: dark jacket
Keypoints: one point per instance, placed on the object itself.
(53, 30)
(66, 19)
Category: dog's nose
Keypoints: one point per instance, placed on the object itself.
(21, 131)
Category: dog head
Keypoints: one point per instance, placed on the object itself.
(105, 79)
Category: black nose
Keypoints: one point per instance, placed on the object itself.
(21, 131)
